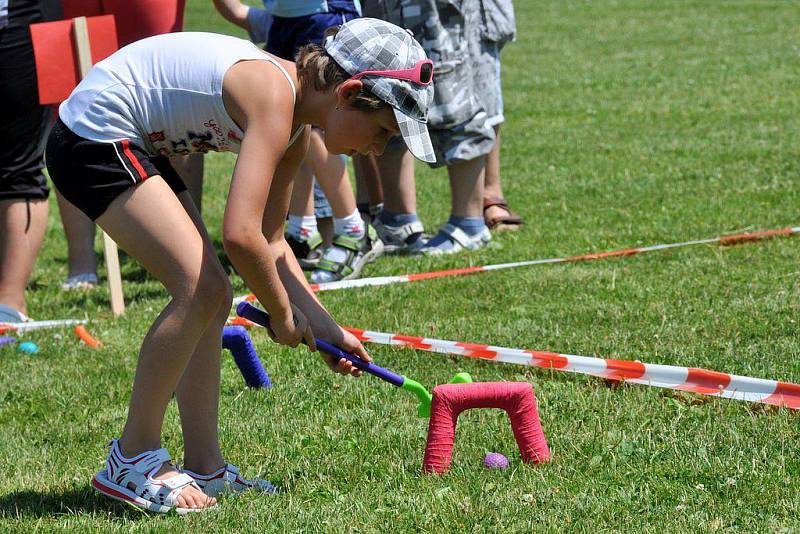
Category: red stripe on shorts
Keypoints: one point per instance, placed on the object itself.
(126, 149)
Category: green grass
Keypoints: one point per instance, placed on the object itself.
(629, 123)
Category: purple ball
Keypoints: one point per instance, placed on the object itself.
(495, 460)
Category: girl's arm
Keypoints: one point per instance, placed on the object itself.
(292, 276)
(257, 97)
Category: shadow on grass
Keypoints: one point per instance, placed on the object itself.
(76, 500)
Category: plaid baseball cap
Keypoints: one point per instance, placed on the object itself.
(373, 44)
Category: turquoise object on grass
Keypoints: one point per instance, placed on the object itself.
(28, 347)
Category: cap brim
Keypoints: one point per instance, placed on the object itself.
(415, 134)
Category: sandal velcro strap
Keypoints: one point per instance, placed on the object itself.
(457, 235)
(347, 255)
(350, 243)
(352, 246)
(510, 219)
(342, 269)
(314, 241)
(177, 482)
(400, 233)
(489, 202)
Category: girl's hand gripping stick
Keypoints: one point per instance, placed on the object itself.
(248, 311)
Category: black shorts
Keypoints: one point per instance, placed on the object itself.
(23, 122)
(91, 174)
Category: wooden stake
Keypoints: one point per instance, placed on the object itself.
(80, 33)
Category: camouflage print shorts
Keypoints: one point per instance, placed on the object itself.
(465, 79)
(487, 82)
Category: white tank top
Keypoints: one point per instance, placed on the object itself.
(163, 93)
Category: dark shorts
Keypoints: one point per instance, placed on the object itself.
(23, 122)
(287, 35)
(91, 174)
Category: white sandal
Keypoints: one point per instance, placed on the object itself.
(228, 480)
(130, 480)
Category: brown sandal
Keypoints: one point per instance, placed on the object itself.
(512, 221)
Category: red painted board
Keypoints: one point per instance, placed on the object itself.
(144, 18)
(54, 50)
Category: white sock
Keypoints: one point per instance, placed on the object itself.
(351, 226)
(301, 227)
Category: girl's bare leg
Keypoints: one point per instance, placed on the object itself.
(198, 389)
(172, 249)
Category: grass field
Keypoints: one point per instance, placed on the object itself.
(628, 123)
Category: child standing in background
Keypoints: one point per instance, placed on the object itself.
(286, 26)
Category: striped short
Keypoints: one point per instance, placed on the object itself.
(91, 174)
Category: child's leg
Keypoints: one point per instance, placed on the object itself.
(354, 244)
(466, 187)
(302, 232)
(79, 230)
(198, 389)
(172, 249)
(396, 167)
(369, 193)
(198, 399)
(22, 227)
(190, 168)
(496, 212)
(492, 186)
(466, 227)
(397, 223)
(331, 173)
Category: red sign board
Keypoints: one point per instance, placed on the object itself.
(54, 50)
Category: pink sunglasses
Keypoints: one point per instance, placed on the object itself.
(421, 73)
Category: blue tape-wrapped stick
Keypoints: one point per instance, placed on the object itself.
(237, 340)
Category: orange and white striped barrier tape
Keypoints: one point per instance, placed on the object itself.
(399, 279)
(691, 379)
